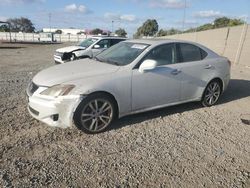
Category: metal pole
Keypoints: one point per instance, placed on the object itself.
(112, 26)
(241, 42)
(196, 34)
(184, 16)
(49, 22)
(9, 31)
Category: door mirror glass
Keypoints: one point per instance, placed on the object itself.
(147, 65)
(97, 46)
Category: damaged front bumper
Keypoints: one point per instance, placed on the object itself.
(58, 59)
(56, 112)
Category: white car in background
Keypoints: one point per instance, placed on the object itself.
(87, 48)
(131, 77)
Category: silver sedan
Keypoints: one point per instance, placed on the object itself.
(131, 77)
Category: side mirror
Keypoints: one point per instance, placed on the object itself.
(97, 46)
(147, 65)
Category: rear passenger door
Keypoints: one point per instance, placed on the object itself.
(194, 71)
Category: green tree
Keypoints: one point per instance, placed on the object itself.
(59, 31)
(173, 31)
(21, 24)
(221, 22)
(4, 28)
(205, 27)
(96, 31)
(121, 32)
(218, 23)
(235, 22)
(162, 33)
(149, 28)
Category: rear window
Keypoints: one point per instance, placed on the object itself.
(190, 52)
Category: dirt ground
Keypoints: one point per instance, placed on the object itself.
(181, 146)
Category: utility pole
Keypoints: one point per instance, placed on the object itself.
(49, 22)
(184, 16)
(112, 26)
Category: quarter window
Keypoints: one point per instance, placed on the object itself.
(189, 52)
(164, 54)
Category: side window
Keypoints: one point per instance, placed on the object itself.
(164, 54)
(203, 54)
(189, 52)
(104, 43)
(115, 41)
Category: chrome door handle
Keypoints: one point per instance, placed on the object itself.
(176, 71)
(208, 66)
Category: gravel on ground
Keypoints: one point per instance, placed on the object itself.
(180, 146)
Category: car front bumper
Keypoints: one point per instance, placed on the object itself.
(58, 59)
(56, 112)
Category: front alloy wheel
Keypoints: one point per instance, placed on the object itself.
(95, 114)
(212, 94)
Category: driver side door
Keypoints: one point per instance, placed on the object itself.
(161, 85)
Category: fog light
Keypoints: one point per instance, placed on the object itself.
(55, 117)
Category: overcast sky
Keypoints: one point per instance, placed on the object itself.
(128, 14)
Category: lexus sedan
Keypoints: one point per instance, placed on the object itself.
(131, 77)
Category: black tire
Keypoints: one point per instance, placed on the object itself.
(84, 110)
(212, 93)
(73, 57)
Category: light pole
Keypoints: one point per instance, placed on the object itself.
(184, 16)
(112, 26)
(50, 22)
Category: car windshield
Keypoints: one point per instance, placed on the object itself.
(122, 54)
(87, 42)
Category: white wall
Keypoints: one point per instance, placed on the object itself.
(232, 42)
(5, 36)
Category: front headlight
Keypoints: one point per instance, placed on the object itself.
(58, 90)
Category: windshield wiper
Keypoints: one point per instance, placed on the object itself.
(113, 62)
(107, 61)
(97, 59)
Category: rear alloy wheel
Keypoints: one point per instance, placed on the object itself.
(212, 94)
(95, 114)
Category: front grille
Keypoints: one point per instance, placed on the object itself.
(33, 111)
(66, 56)
(32, 88)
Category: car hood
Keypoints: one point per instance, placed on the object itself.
(70, 49)
(80, 69)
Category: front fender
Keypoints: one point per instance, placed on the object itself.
(82, 53)
(118, 87)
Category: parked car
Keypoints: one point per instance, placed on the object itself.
(87, 48)
(131, 77)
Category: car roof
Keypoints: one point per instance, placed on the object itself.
(108, 37)
(158, 41)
